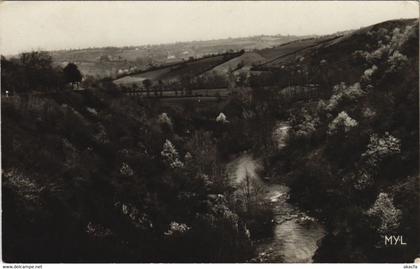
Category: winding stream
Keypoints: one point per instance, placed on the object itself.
(295, 235)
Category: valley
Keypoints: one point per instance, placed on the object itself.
(286, 149)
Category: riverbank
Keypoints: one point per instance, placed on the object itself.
(295, 235)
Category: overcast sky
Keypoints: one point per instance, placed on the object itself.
(58, 25)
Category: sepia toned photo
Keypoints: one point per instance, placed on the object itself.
(209, 132)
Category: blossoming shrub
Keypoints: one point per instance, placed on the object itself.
(170, 155)
(367, 75)
(389, 215)
(126, 170)
(397, 61)
(221, 118)
(342, 93)
(177, 229)
(380, 148)
(343, 122)
(164, 119)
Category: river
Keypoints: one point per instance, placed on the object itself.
(295, 234)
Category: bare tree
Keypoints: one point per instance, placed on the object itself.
(252, 191)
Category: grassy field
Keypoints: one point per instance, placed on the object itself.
(138, 78)
(245, 60)
(177, 71)
(221, 64)
(290, 51)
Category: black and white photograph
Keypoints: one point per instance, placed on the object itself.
(208, 132)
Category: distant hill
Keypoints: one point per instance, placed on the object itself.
(109, 61)
(221, 66)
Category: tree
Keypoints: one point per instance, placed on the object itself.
(222, 118)
(389, 215)
(126, 170)
(161, 85)
(9, 75)
(37, 71)
(324, 68)
(251, 190)
(165, 123)
(147, 83)
(72, 74)
(164, 119)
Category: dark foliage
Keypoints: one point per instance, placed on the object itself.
(72, 73)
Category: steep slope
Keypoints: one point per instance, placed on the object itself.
(94, 176)
(336, 58)
(355, 151)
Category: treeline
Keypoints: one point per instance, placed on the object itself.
(34, 72)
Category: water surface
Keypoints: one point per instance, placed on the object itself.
(294, 240)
